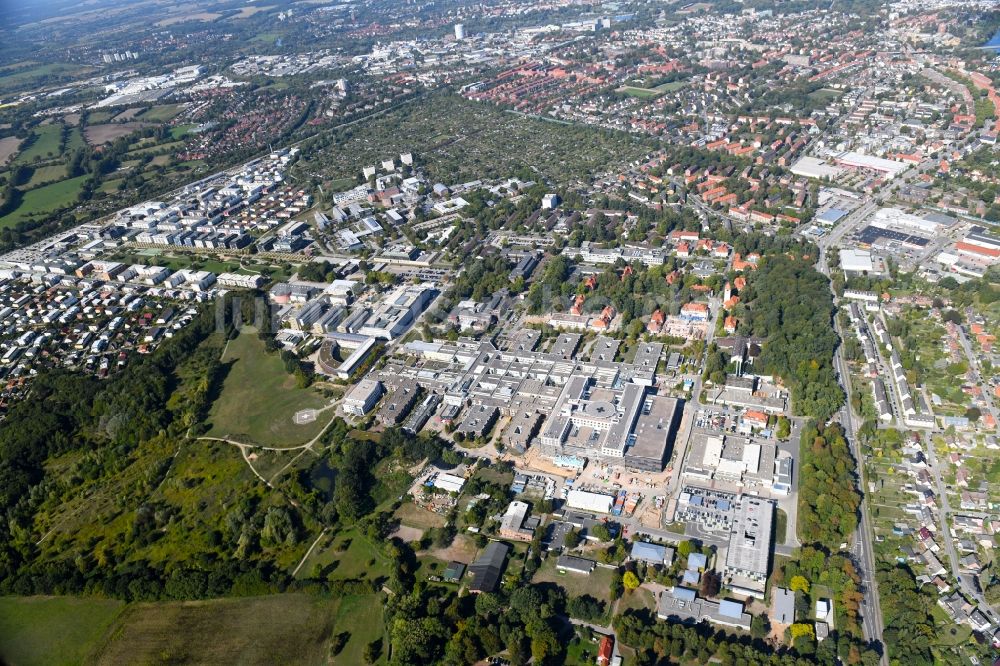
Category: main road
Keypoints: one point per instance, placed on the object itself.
(862, 543)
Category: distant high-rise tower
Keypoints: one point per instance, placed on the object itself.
(459, 31)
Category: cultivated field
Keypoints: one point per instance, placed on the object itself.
(99, 134)
(200, 16)
(8, 148)
(259, 399)
(280, 629)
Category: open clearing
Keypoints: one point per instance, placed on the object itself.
(8, 148)
(284, 628)
(259, 399)
(99, 134)
(48, 631)
(412, 515)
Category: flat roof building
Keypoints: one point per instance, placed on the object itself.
(748, 557)
(363, 397)
(574, 564)
(399, 403)
(683, 604)
(512, 523)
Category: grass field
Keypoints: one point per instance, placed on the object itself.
(285, 629)
(75, 140)
(47, 139)
(169, 146)
(49, 631)
(360, 616)
(27, 76)
(341, 184)
(650, 93)
(597, 584)
(46, 174)
(45, 200)
(161, 113)
(259, 398)
(824, 95)
(345, 555)
(181, 130)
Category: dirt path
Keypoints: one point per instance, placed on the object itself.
(305, 557)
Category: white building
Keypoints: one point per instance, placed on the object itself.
(588, 501)
(363, 397)
(856, 261)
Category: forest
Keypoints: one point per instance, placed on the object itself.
(828, 493)
(790, 306)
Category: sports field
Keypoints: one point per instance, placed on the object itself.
(259, 399)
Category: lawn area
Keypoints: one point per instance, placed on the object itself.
(641, 93)
(637, 599)
(824, 96)
(597, 584)
(670, 87)
(781, 526)
(52, 630)
(360, 616)
(259, 399)
(45, 200)
(580, 651)
(181, 130)
(340, 184)
(284, 628)
(45, 143)
(494, 475)
(651, 93)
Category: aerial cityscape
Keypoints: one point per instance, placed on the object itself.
(614, 332)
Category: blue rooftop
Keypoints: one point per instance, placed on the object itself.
(831, 215)
(732, 609)
(697, 561)
(648, 552)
